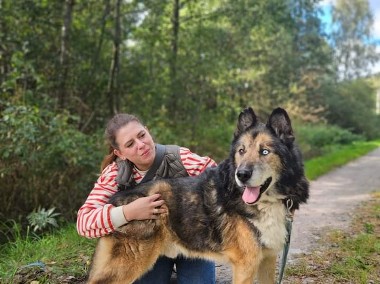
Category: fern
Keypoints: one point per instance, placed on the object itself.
(43, 219)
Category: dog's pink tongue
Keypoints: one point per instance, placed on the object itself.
(251, 194)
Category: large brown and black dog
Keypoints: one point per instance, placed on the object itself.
(234, 212)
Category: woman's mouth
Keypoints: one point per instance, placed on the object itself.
(145, 153)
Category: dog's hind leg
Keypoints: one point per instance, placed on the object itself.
(122, 261)
(267, 268)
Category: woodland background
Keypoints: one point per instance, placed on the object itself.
(185, 67)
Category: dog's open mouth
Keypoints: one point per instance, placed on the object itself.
(252, 194)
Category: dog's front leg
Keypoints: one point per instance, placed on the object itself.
(267, 268)
(242, 275)
(245, 266)
(243, 252)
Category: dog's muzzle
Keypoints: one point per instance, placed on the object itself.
(244, 174)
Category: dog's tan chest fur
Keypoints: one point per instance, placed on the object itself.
(271, 224)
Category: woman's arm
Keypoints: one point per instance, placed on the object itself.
(193, 163)
(96, 217)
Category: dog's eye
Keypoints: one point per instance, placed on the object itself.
(241, 151)
(264, 152)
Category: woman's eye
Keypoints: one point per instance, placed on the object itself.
(264, 152)
(129, 145)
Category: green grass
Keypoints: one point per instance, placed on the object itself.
(64, 253)
(337, 157)
(355, 260)
(352, 256)
(358, 258)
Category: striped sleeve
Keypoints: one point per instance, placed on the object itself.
(94, 217)
(195, 164)
(136, 176)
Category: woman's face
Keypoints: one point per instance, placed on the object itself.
(136, 145)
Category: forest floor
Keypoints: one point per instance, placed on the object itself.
(331, 206)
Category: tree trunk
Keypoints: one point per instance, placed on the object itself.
(64, 56)
(4, 53)
(112, 91)
(173, 59)
(106, 13)
(94, 62)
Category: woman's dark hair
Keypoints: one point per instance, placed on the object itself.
(113, 126)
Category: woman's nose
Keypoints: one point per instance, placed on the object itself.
(139, 144)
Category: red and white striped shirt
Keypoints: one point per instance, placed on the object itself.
(97, 218)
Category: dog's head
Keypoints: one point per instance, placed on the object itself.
(261, 152)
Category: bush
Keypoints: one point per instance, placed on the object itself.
(45, 161)
(318, 139)
(351, 105)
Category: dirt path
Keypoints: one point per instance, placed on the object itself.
(333, 199)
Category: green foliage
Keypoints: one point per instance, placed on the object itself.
(45, 161)
(351, 105)
(351, 37)
(318, 139)
(42, 219)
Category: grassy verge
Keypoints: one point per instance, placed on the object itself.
(338, 156)
(62, 257)
(345, 257)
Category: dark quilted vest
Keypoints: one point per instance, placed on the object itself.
(171, 167)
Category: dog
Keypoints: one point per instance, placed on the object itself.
(234, 212)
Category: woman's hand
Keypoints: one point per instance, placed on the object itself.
(144, 208)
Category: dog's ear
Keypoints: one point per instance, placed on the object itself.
(279, 121)
(247, 119)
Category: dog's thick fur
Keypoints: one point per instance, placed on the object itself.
(234, 212)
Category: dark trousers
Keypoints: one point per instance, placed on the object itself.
(189, 271)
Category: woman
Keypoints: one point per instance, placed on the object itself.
(132, 154)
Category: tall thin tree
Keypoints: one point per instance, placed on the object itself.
(112, 92)
(4, 56)
(173, 58)
(64, 54)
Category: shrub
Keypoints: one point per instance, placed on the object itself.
(351, 105)
(318, 139)
(42, 219)
(45, 161)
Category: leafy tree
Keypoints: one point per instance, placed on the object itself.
(351, 37)
(351, 105)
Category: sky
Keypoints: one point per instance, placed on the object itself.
(375, 8)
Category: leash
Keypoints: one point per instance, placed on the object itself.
(288, 226)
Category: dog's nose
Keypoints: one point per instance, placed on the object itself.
(244, 174)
